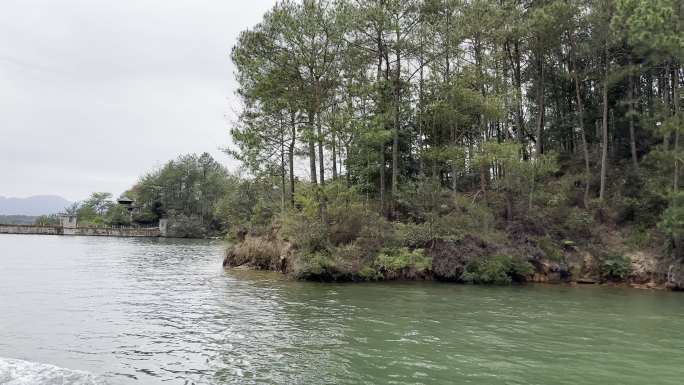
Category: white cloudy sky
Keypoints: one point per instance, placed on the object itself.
(93, 93)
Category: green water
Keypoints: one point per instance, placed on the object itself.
(164, 312)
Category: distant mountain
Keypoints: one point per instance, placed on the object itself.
(36, 205)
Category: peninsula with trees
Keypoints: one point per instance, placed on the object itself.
(471, 141)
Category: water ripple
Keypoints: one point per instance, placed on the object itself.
(137, 311)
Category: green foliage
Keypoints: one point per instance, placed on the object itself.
(672, 223)
(118, 215)
(346, 220)
(652, 25)
(46, 220)
(307, 235)
(312, 265)
(550, 249)
(498, 270)
(183, 226)
(578, 223)
(93, 209)
(147, 216)
(414, 234)
(190, 186)
(436, 213)
(247, 203)
(640, 238)
(399, 259)
(369, 273)
(347, 262)
(615, 267)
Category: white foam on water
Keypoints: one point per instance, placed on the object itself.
(18, 372)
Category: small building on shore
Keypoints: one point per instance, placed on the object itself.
(68, 221)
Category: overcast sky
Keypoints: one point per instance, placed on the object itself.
(93, 93)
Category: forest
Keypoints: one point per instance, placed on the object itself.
(401, 133)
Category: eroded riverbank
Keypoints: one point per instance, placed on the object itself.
(470, 259)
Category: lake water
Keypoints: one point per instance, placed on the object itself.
(77, 310)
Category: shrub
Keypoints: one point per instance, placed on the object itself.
(421, 199)
(402, 258)
(469, 216)
(413, 234)
(146, 217)
(375, 235)
(118, 216)
(348, 258)
(551, 251)
(450, 258)
(498, 270)
(368, 273)
(672, 222)
(578, 223)
(346, 221)
(640, 237)
(183, 226)
(305, 233)
(627, 210)
(335, 263)
(313, 266)
(615, 267)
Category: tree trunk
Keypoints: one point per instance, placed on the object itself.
(334, 155)
(604, 136)
(484, 172)
(347, 174)
(321, 167)
(454, 170)
(518, 95)
(676, 101)
(282, 165)
(421, 96)
(583, 134)
(540, 104)
(632, 136)
(483, 178)
(290, 158)
(319, 137)
(395, 127)
(666, 95)
(312, 146)
(380, 111)
(340, 157)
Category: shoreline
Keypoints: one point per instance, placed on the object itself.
(628, 283)
(469, 259)
(574, 284)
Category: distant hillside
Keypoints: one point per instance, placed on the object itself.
(34, 206)
(17, 219)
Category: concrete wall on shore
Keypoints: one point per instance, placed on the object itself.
(30, 229)
(86, 231)
(113, 232)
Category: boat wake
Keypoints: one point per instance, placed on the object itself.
(18, 372)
